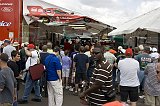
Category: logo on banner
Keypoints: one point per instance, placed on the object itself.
(6, 9)
(6, 4)
(3, 23)
(34, 9)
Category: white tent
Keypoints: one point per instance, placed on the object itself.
(149, 21)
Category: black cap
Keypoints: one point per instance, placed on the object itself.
(56, 49)
(7, 41)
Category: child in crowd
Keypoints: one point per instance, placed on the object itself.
(66, 64)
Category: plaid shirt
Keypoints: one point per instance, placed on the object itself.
(151, 86)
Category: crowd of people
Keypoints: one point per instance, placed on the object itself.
(93, 72)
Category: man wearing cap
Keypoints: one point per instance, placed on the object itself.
(32, 60)
(111, 59)
(155, 55)
(109, 56)
(129, 81)
(8, 48)
(54, 79)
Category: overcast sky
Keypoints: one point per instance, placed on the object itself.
(112, 12)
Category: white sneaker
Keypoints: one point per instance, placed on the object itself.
(141, 97)
(71, 89)
(67, 87)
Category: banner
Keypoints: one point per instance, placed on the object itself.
(54, 15)
(10, 18)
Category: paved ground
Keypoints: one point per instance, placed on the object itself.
(69, 100)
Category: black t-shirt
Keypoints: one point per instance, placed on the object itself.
(81, 60)
(13, 65)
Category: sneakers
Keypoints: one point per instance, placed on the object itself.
(71, 89)
(21, 101)
(36, 100)
(142, 97)
(67, 87)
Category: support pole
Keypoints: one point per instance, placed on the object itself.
(158, 42)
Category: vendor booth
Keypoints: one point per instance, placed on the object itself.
(144, 29)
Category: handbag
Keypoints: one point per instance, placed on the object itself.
(36, 71)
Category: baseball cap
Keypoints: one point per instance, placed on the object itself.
(7, 41)
(154, 49)
(120, 47)
(129, 52)
(141, 47)
(112, 51)
(30, 46)
(56, 49)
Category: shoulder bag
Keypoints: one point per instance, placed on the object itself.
(36, 71)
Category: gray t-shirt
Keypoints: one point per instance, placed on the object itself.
(8, 49)
(7, 83)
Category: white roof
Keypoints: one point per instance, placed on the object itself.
(149, 21)
(86, 35)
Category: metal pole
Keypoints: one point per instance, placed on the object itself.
(158, 42)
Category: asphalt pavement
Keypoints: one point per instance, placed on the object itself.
(69, 100)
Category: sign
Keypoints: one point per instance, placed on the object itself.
(10, 18)
(53, 14)
(11, 35)
(3, 23)
(6, 9)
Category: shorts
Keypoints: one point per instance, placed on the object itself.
(152, 100)
(65, 72)
(80, 77)
(131, 92)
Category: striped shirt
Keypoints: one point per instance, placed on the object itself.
(151, 85)
(101, 74)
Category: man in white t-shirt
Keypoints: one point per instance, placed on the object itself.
(8, 48)
(32, 60)
(109, 56)
(129, 81)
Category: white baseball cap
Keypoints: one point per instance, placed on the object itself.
(120, 47)
(141, 47)
(154, 49)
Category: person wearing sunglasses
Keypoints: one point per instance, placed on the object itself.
(100, 83)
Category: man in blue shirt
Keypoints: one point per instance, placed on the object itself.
(54, 79)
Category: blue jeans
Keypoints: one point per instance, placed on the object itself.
(28, 88)
(141, 77)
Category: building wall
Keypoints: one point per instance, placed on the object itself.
(143, 37)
